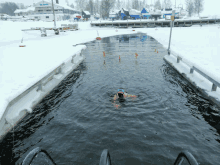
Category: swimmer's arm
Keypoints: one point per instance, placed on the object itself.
(115, 97)
(131, 95)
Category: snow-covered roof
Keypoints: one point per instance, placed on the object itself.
(134, 12)
(114, 11)
(24, 10)
(96, 15)
(19, 11)
(86, 12)
(66, 7)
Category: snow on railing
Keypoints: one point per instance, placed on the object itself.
(215, 84)
(41, 87)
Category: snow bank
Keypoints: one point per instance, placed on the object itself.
(22, 67)
(200, 46)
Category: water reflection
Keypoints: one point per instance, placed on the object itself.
(201, 108)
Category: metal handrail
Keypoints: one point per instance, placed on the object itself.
(188, 156)
(192, 68)
(105, 158)
(30, 157)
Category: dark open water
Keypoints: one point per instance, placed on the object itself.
(78, 120)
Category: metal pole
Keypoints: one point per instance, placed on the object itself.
(171, 25)
(54, 15)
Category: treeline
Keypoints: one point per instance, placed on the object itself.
(8, 8)
(194, 6)
(103, 7)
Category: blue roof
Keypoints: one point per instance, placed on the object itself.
(144, 11)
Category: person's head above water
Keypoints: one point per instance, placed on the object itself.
(121, 93)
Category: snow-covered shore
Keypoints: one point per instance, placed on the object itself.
(198, 47)
(20, 67)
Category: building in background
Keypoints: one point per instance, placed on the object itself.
(85, 15)
(43, 11)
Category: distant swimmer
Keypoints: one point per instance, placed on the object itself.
(121, 95)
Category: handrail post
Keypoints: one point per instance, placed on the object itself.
(171, 25)
(214, 87)
(191, 70)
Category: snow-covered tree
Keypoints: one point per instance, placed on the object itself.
(144, 3)
(190, 7)
(90, 7)
(135, 4)
(157, 5)
(198, 4)
(106, 6)
(67, 2)
(127, 5)
(8, 8)
(167, 4)
(97, 7)
(72, 6)
(81, 4)
(118, 4)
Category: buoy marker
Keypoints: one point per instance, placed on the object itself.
(136, 55)
(103, 54)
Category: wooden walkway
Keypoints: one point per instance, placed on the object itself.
(149, 23)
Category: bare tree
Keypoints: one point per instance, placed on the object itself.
(72, 6)
(118, 5)
(189, 7)
(96, 7)
(80, 4)
(106, 6)
(144, 3)
(135, 4)
(67, 2)
(198, 4)
(128, 5)
(157, 5)
(90, 7)
(167, 4)
(8, 8)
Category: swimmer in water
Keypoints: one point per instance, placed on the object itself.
(121, 94)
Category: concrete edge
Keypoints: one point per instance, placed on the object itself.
(202, 91)
(5, 125)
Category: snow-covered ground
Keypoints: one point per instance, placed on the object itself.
(21, 67)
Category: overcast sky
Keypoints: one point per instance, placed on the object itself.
(211, 7)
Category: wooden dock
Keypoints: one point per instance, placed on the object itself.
(151, 24)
